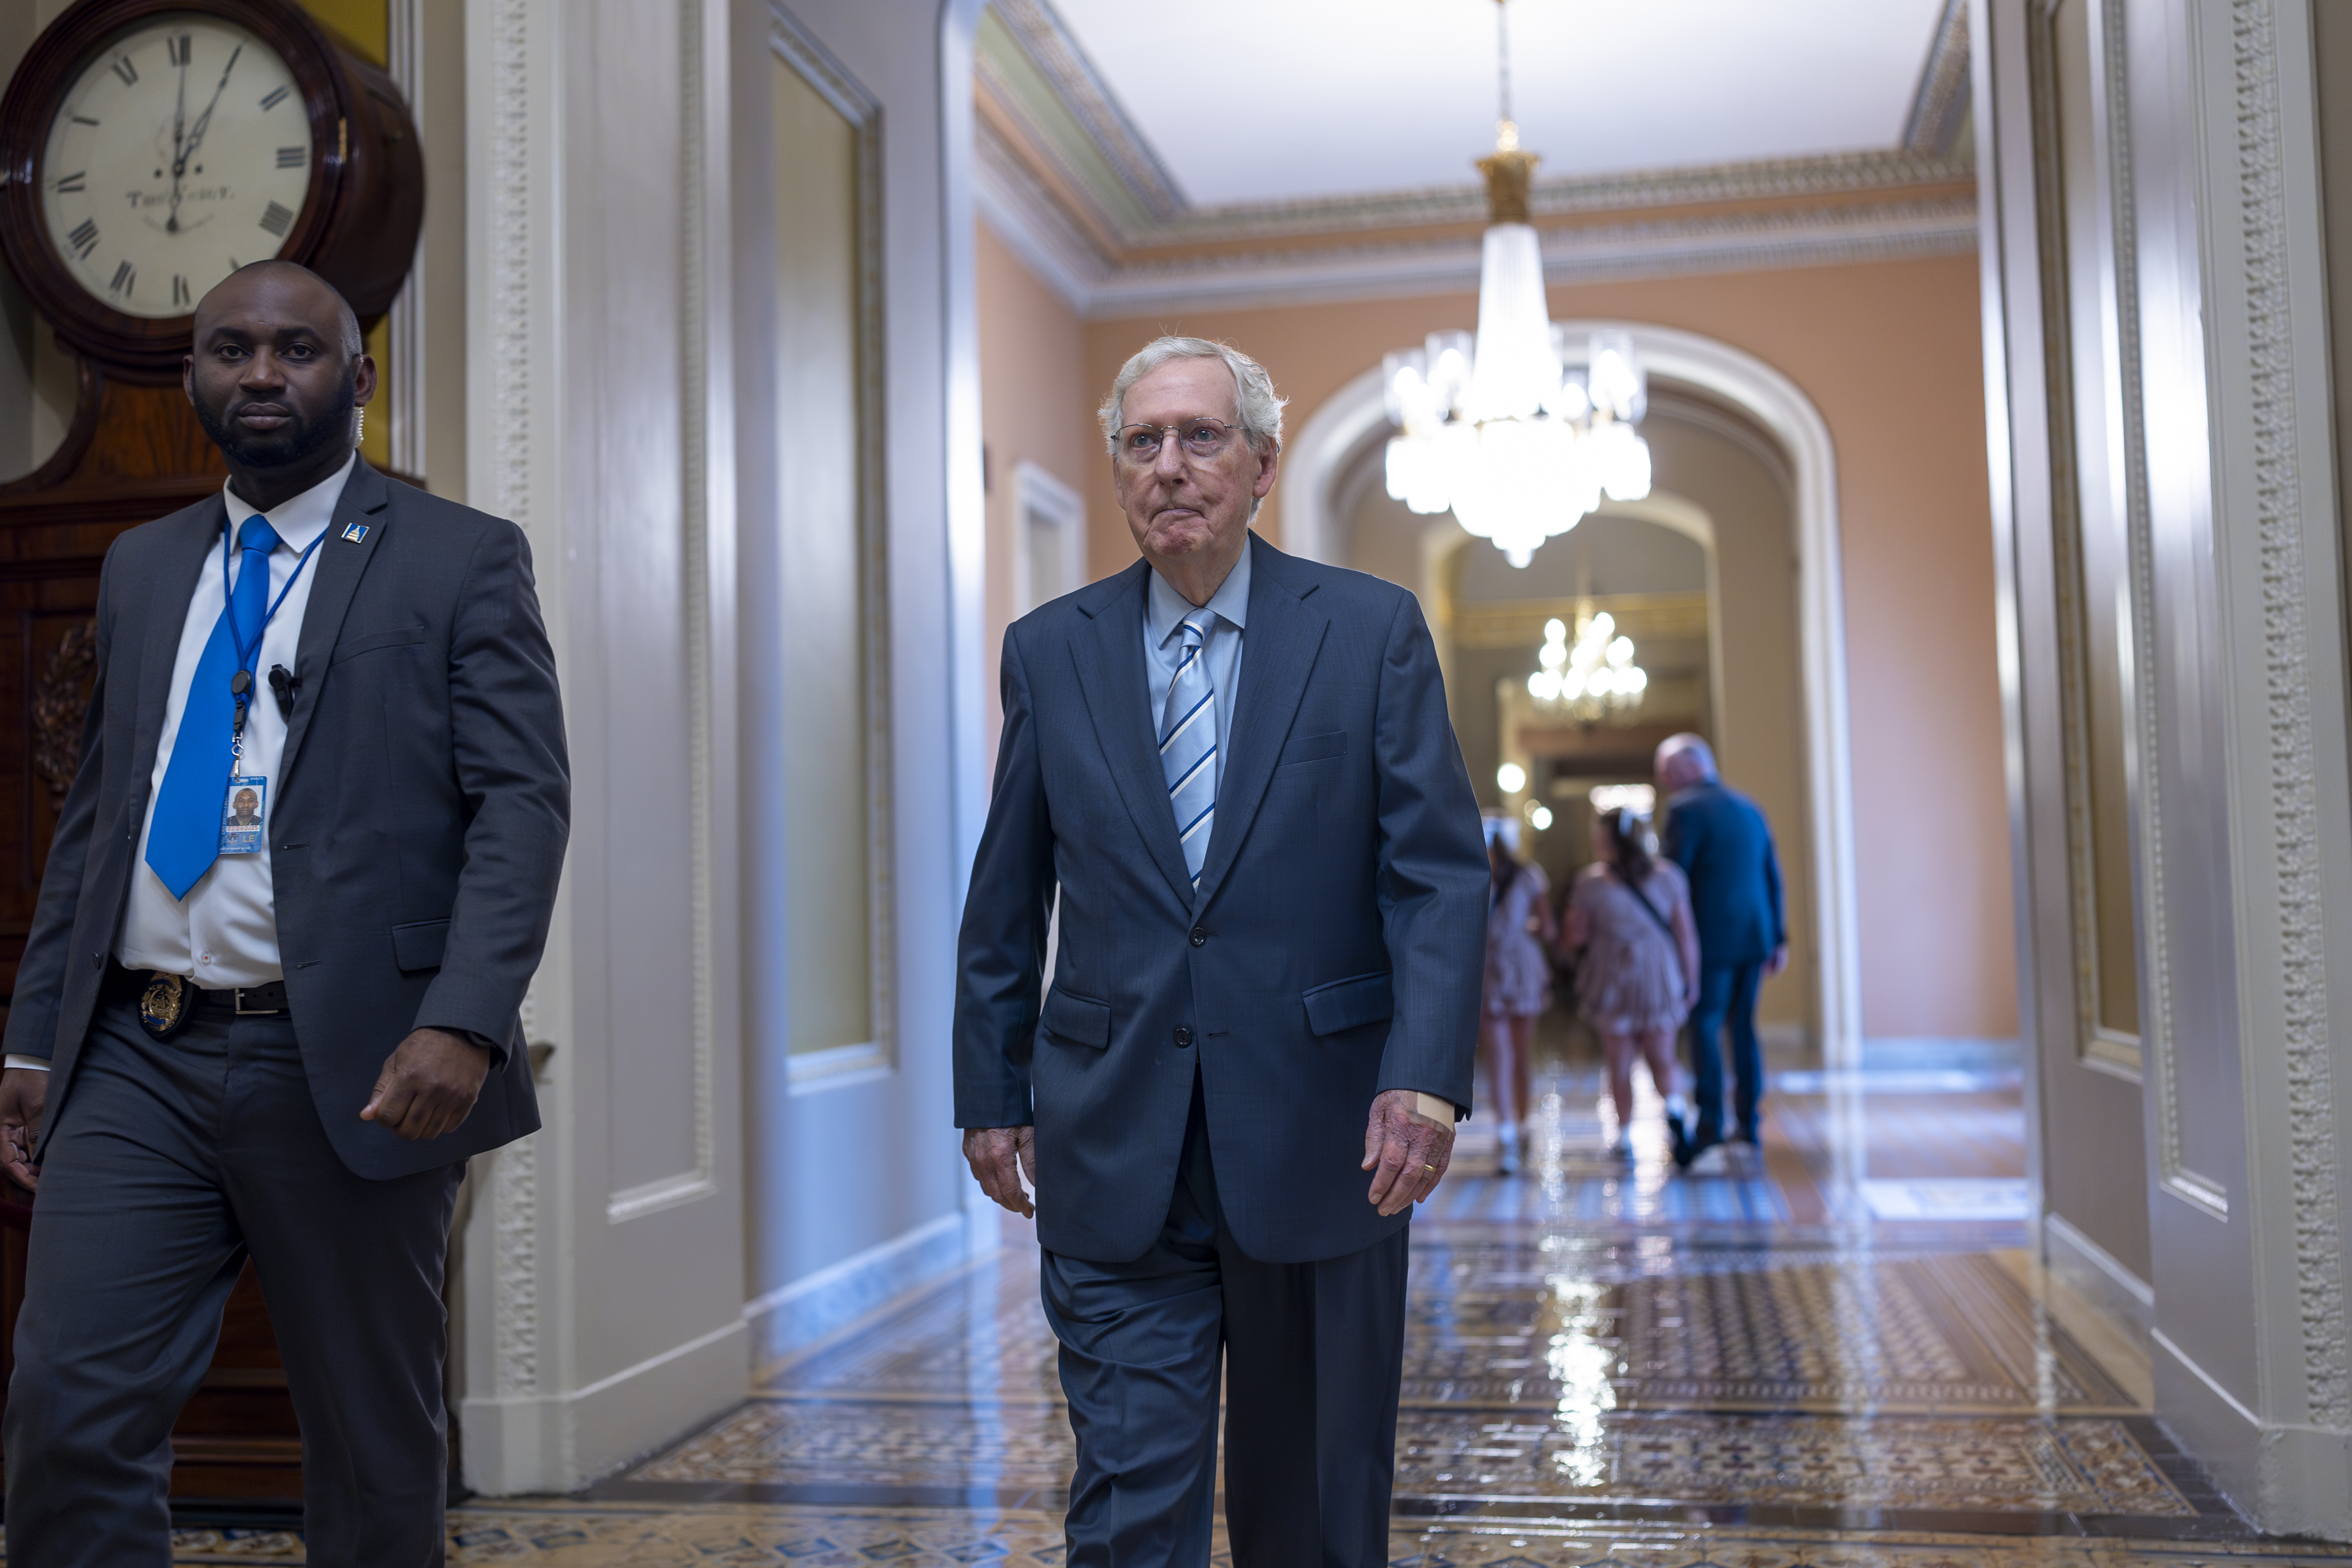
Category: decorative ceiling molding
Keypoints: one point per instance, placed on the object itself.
(1939, 109)
(1067, 180)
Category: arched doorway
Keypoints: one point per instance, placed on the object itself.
(1744, 465)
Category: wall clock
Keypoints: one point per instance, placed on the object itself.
(148, 148)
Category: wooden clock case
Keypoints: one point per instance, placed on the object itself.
(135, 452)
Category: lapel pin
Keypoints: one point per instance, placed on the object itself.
(356, 533)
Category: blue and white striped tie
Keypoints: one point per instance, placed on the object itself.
(1188, 749)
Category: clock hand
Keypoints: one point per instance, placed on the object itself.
(204, 120)
(179, 140)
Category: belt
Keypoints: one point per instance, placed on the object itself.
(245, 1001)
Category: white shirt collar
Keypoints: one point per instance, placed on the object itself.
(298, 520)
(1165, 607)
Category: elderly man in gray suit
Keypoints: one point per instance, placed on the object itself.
(279, 1045)
(1236, 769)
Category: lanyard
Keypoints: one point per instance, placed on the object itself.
(244, 658)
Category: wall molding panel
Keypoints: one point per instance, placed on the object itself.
(598, 291)
(2287, 668)
(2243, 774)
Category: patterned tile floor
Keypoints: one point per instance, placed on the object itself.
(1606, 1364)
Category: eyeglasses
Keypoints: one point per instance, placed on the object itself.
(1202, 440)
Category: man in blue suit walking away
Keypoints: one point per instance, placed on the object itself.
(1236, 770)
(1725, 846)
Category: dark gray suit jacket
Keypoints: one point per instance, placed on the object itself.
(424, 799)
(1334, 950)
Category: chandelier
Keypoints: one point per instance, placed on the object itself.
(1499, 428)
(1594, 681)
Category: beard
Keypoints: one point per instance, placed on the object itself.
(283, 447)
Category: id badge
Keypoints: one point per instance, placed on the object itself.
(241, 816)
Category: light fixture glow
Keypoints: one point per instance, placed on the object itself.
(1511, 777)
(1497, 427)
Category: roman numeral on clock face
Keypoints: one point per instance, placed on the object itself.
(293, 157)
(277, 96)
(84, 238)
(124, 276)
(276, 219)
(178, 50)
(73, 181)
(126, 70)
(180, 290)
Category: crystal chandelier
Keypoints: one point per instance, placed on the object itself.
(1499, 429)
(1594, 681)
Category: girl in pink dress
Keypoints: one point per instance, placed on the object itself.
(1629, 917)
(1519, 981)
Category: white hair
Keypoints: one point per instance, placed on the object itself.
(1256, 407)
(1696, 746)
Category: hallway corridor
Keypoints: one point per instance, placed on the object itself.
(1846, 1359)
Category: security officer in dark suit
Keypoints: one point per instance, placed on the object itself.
(281, 1044)
(1723, 846)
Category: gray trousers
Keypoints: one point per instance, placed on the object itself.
(171, 1163)
(1314, 1353)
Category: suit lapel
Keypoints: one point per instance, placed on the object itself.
(1278, 652)
(340, 564)
(192, 543)
(1109, 653)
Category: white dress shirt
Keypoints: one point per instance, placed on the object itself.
(225, 933)
(1164, 610)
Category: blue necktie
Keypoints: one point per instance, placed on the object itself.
(1188, 748)
(185, 837)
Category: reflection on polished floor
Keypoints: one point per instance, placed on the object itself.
(1840, 1355)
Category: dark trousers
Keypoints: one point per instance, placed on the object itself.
(1726, 993)
(1314, 1354)
(172, 1161)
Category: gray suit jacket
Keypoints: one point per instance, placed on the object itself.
(1333, 951)
(424, 799)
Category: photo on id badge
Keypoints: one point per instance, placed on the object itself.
(241, 816)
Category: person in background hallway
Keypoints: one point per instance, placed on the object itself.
(1518, 979)
(1237, 769)
(1629, 916)
(225, 1045)
(1725, 846)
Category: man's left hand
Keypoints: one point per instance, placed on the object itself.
(428, 1084)
(1779, 960)
(1406, 1151)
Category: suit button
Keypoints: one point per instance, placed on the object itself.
(1183, 1036)
(1200, 937)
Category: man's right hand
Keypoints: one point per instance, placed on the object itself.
(24, 1095)
(999, 1157)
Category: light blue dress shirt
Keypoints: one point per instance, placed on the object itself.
(1164, 610)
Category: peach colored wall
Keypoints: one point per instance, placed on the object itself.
(1889, 351)
(1035, 404)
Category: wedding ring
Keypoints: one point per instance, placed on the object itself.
(1429, 1167)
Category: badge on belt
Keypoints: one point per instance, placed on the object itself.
(163, 1005)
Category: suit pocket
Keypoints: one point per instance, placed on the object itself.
(368, 642)
(1313, 749)
(1349, 1004)
(1077, 1019)
(419, 946)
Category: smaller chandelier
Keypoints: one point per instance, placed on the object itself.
(1594, 681)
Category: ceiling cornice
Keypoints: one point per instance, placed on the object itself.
(1070, 183)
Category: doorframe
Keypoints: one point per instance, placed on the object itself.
(1346, 422)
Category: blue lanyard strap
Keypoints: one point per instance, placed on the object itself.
(245, 659)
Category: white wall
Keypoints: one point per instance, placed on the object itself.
(856, 1190)
(690, 1209)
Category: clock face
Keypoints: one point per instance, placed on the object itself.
(181, 152)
